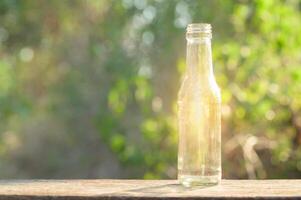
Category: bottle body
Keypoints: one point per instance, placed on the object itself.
(199, 118)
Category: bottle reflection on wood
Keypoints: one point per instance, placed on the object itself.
(199, 113)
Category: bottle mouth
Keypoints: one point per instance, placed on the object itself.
(198, 32)
(199, 28)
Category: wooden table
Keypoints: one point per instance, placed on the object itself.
(146, 189)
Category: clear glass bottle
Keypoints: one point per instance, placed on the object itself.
(199, 113)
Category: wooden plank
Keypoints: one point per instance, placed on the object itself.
(146, 189)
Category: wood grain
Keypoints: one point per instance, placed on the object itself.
(146, 189)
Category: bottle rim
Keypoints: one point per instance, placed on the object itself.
(199, 28)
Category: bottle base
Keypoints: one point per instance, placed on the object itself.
(193, 180)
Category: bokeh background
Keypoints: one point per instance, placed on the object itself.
(88, 88)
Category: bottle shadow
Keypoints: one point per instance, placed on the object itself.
(169, 189)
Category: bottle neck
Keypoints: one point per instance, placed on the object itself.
(199, 58)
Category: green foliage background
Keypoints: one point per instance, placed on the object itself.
(88, 88)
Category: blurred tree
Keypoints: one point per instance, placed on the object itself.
(88, 88)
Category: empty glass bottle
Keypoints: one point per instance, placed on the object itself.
(199, 113)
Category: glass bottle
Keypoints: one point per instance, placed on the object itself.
(199, 113)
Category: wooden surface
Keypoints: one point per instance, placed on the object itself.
(146, 189)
